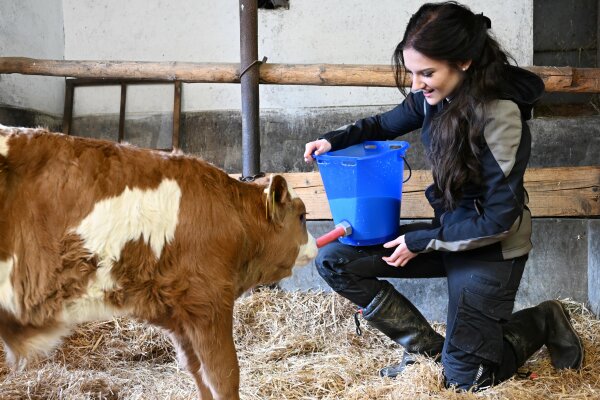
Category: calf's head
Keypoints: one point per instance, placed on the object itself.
(289, 243)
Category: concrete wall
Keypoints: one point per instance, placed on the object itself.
(310, 31)
(32, 28)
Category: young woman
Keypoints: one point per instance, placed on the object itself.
(471, 106)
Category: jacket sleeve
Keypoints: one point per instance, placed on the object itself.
(500, 205)
(404, 118)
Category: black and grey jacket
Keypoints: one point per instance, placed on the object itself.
(492, 218)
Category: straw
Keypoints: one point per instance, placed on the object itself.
(291, 345)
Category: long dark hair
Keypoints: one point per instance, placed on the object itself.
(450, 32)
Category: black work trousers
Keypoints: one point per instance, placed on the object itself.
(481, 296)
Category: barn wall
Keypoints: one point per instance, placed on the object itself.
(32, 28)
(310, 31)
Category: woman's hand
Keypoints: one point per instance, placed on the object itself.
(317, 147)
(401, 255)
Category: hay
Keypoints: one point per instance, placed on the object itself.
(291, 345)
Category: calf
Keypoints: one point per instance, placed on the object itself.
(90, 229)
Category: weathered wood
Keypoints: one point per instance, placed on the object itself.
(556, 79)
(567, 79)
(123, 70)
(328, 75)
(553, 192)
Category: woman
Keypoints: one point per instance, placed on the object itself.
(472, 107)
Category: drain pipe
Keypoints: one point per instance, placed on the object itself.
(249, 78)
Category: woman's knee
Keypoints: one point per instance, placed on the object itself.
(331, 258)
(332, 264)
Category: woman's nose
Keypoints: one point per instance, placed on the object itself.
(416, 84)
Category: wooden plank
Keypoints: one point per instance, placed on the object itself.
(556, 79)
(564, 192)
(567, 79)
(553, 192)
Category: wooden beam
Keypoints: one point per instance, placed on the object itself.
(567, 79)
(123, 70)
(553, 192)
(556, 79)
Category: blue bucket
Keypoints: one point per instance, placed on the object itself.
(363, 184)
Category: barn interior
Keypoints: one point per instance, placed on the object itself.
(244, 86)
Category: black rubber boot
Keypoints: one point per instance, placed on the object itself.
(546, 324)
(399, 319)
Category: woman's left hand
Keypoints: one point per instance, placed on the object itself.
(401, 255)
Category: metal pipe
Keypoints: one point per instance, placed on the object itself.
(249, 78)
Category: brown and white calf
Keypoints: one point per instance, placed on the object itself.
(91, 229)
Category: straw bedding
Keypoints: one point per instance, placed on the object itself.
(291, 345)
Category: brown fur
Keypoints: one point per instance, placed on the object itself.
(230, 237)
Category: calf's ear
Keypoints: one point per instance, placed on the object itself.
(277, 196)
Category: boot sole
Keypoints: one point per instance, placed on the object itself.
(565, 313)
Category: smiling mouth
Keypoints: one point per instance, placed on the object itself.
(426, 92)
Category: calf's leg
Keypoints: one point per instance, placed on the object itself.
(214, 346)
(187, 358)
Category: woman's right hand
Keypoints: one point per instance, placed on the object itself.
(316, 147)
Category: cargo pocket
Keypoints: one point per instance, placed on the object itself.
(477, 328)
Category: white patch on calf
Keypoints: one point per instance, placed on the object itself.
(33, 346)
(92, 306)
(308, 252)
(46, 342)
(149, 214)
(7, 294)
(3, 145)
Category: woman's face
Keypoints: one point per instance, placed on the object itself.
(437, 79)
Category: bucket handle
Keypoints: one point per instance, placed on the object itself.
(409, 169)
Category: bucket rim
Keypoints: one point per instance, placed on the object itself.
(392, 146)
